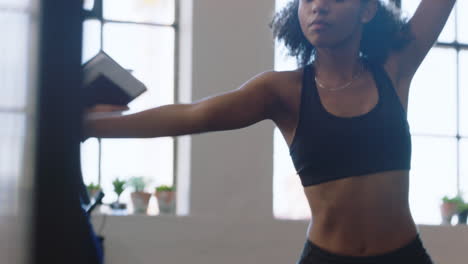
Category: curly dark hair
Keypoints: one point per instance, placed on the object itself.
(387, 31)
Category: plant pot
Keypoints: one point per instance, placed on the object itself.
(92, 193)
(166, 201)
(447, 211)
(462, 216)
(140, 201)
(118, 206)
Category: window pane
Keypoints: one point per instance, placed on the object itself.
(433, 175)
(149, 52)
(279, 4)
(289, 201)
(15, 187)
(464, 168)
(11, 152)
(448, 33)
(463, 92)
(124, 158)
(282, 61)
(18, 72)
(462, 21)
(88, 4)
(15, 4)
(409, 7)
(14, 67)
(90, 161)
(151, 11)
(91, 38)
(433, 95)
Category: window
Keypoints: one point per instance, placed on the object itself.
(141, 36)
(289, 201)
(18, 52)
(438, 117)
(435, 112)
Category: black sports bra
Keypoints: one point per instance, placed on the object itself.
(327, 147)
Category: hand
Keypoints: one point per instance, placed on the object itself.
(104, 108)
(96, 111)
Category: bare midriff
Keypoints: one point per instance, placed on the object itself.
(361, 215)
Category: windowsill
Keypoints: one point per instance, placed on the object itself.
(132, 216)
(138, 216)
(105, 210)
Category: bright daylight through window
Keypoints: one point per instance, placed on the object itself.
(140, 35)
(438, 117)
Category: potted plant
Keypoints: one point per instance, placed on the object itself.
(92, 189)
(140, 198)
(449, 207)
(119, 187)
(462, 212)
(166, 199)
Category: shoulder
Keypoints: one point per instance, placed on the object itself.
(272, 84)
(283, 81)
(282, 89)
(285, 84)
(275, 77)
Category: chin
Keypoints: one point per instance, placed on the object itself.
(324, 42)
(321, 43)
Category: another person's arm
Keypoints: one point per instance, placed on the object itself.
(252, 102)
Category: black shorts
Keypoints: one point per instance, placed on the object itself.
(412, 253)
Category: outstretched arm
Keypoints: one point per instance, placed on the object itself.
(425, 25)
(252, 102)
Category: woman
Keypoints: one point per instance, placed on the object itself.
(343, 115)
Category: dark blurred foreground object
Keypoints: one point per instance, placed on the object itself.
(62, 232)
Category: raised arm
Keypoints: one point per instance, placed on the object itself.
(254, 101)
(425, 25)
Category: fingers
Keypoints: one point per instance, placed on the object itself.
(108, 108)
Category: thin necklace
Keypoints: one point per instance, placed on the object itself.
(346, 85)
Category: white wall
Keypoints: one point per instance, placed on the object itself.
(230, 219)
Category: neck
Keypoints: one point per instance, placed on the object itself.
(338, 63)
(336, 67)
